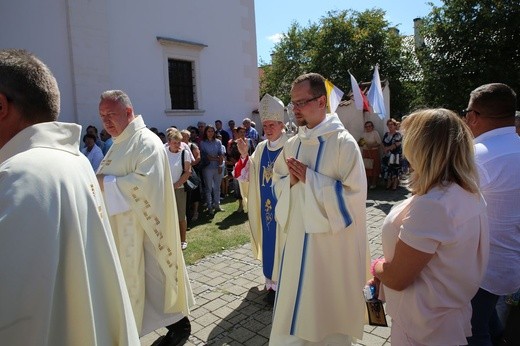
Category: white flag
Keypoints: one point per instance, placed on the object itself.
(375, 95)
(359, 98)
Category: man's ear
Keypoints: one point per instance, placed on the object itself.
(323, 101)
(471, 119)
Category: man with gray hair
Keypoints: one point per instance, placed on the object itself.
(251, 132)
(62, 282)
(138, 189)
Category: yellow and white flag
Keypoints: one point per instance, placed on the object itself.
(334, 95)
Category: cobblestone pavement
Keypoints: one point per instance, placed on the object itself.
(229, 291)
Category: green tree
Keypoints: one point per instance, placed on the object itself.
(469, 43)
(339, 42)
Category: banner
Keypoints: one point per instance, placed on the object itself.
(360, 100)
(334, 96)
(375, 95)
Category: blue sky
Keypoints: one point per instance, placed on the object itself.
(273, 17)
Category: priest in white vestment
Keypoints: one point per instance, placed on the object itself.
(61, 280)
(320, 183)
(257, 169)
(138, 190)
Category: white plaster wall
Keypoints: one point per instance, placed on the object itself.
(96, 45)
(41, 27)
(228, 80)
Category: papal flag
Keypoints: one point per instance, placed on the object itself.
(360, 100)
(375, 95)
(334, 95)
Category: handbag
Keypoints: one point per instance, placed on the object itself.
(193, 181)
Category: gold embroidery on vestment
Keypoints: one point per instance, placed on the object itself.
(267, 174)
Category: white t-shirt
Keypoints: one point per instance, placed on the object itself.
(497, 153)
(176, 167)
(450, 223)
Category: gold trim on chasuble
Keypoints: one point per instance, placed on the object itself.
(158, 234)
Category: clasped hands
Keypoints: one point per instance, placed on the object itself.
(297, 170)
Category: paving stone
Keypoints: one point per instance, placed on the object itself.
(242, 334)
(223, 311)
(265, 331)
(371, 340)
(383, 332)
(148, 339)
(208, 319)
(257, 340)
(215, 304)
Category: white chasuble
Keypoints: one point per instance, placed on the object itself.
(325, 260)
(61, 280)
(149, 230)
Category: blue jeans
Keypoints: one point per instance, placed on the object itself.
(485, 324)
(212, 179)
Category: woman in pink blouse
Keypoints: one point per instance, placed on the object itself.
(436, 242)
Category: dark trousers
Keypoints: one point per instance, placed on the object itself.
(485, 325)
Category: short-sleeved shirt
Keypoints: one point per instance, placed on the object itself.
(450, 223)
(176, 168)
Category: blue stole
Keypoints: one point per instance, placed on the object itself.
(268, 203)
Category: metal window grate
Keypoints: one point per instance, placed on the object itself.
(182, 84)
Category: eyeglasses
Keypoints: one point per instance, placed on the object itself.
(301, 104)
(464, 112)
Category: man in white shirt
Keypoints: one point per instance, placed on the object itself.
(491, 117)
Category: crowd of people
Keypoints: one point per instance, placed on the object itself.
(383, 158)
(100, 260)
(211, 153)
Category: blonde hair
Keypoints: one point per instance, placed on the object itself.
(173, 134)
(186, 132)
(439, 147)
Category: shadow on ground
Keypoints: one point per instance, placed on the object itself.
(236, 218)
(248, 324)
(384, 200)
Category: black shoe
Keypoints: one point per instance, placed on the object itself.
(178, 334)
(172, 339)
(269, 298)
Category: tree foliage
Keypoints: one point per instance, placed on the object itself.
(339, 42)
(469, 43)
